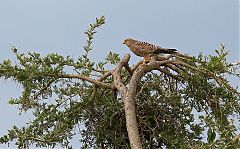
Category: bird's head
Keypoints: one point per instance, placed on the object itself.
(128, 41)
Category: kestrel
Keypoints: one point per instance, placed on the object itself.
(146, 50)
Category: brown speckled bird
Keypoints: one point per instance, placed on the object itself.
(146, 50)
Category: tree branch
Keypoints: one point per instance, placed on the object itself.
(170, 74)
(219, 79)
(118, 83)
(96, 82)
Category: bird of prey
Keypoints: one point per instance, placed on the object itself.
(146, 50)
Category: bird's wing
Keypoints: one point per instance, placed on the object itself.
(147, 47)
(153, 49)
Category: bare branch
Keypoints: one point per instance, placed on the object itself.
(128, 68)
(174, 68)
(135, 66)
(117, 76)
(170, 74)
(105, 75)
(236, 138)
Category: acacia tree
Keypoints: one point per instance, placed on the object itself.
(169, 102)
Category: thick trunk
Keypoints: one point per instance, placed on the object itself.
(131, 119)
(128, 94)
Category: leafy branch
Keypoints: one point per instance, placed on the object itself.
(90, 32)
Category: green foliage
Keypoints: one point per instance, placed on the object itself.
(211, 135)
(171, 112)
(113, 58)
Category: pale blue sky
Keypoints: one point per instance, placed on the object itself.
(58, 26)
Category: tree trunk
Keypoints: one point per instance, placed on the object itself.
(131, 118)
(128, 94)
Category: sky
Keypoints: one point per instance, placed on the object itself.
(58, 26)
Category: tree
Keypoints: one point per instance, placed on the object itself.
(169, 102)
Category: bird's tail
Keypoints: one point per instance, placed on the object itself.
(165, 51)
(171, 50)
